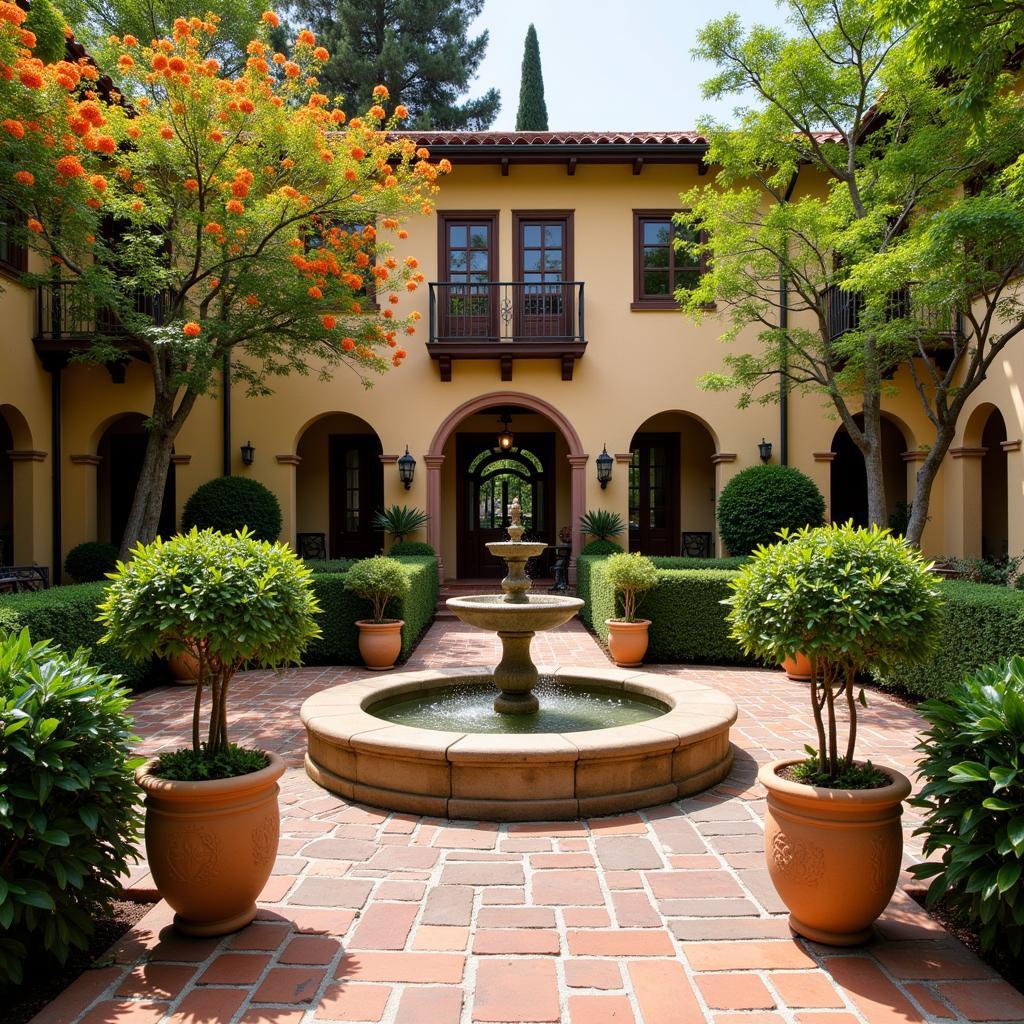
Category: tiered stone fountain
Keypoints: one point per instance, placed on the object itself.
(556, 743)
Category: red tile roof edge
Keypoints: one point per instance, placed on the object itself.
(577, 138)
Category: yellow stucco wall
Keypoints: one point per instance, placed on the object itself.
(639, 368)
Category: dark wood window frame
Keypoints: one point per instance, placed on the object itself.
(518, 216)
(445, 217)
(646, 302)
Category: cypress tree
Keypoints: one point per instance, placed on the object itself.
(533, 111)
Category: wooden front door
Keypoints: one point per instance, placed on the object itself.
(654, 494)
(543, 263)
(488, 481)
(356, 495)
(468, 297)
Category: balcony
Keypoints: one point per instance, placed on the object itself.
(939, 325)
(506, 320)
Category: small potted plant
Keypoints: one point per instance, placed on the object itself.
(212, 819)
(630, 576)
(400, 521)
(379, 580)
(851, 600)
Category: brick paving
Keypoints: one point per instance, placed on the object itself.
(664, 916)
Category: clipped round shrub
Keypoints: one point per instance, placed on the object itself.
(601, 547)
(90, 562)
(762, 500)
(227, 503)
(378, 580)
(68, 815)
(412, 547)
(631, 576)
(973, 803)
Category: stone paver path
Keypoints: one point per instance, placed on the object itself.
(665, 916)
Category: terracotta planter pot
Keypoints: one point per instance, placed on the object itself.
(380, 643)
(211, 845)
(184, 669)
(833, 854)
(627, 641)
(798, 667)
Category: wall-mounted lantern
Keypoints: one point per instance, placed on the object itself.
(764, 449)
(248, 453)
(506, 438)
(604, 464)
(406, 468)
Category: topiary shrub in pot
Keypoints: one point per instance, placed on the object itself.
(231, 503)
(212, 819)
(378, 580)
(90, 562)
(69, 819)
(630, 576)
(851, 600)
(973, 803)
(762, 500)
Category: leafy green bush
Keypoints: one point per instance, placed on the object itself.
(400, 520)
(630, 577)
(318, 565)
(340, 609)
(67, 616)
(379, 580)
(973, 802)
(850, 599)
(602, 524)
(68, 815)
(978, 625)
(760, 501)
(412, 547)
(90, 562)
(229, 503)
(1003, 572)
(223, 600)
(601, 547)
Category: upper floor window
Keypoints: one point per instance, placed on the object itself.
(659, 268)
(13, 257)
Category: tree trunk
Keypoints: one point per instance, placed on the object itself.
(923, 485)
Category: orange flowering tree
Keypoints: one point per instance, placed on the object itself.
(195, 217)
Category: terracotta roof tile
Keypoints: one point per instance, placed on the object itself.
(578, 138)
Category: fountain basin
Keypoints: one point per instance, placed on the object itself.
(492, 612)
(518, 777)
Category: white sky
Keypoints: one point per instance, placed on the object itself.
(608, 65)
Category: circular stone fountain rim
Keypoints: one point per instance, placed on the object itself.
(546, 601)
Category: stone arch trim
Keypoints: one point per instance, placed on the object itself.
(17, 423)
(975, 422)
(696, 417)
(308, 423)
(434, 459)
(474, 405)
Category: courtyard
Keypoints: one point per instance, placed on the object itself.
(662, 916)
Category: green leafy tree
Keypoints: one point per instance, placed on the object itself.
(216, 219)
(420, 49)
(918, 264)
(533, 111)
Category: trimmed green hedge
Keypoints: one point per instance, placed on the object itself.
(339, 644)
(687, 616)
(67, 616)
(321, 565)
(981, 624)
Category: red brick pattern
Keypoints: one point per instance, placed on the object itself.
(664, 916)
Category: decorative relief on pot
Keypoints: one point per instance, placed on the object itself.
(799, 859)
(193, 854)
(264, 840)
(885, 853)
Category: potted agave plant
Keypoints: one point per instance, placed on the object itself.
(379, 580)
(212, 819)
(852, 600)
(630, 576)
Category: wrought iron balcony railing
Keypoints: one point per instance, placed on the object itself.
(506, 311)
(843, 310)
(65, 315)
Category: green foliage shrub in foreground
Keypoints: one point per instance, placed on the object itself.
(762, 500)
(379, 580)
(67, 615)
(850, 599)
(90, 562)
(231, 503)
(973, 802)
(68, 815)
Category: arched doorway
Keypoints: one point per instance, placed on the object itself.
(17, 520)
(6, 492)
(995, 526)
(122, 449)
(672, 486)
(468, 433)
(339, 488)
(848, 482)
